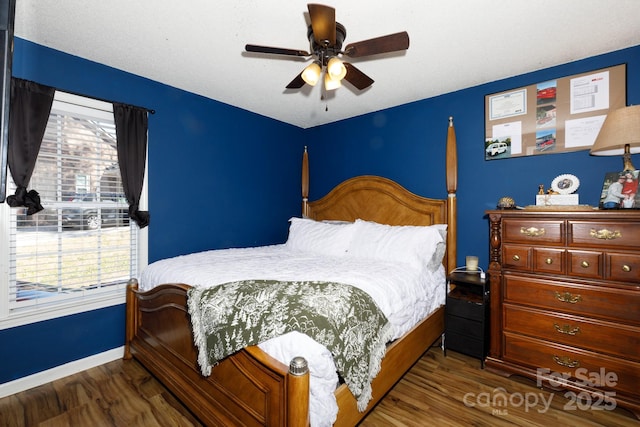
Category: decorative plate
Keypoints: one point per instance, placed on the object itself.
(565, 184)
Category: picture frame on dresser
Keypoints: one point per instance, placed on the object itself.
(620, 190)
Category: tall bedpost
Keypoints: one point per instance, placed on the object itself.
(305, 183)
(452, 187)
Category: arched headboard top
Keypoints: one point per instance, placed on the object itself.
(379, 199)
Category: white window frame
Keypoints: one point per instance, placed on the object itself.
(61, 307)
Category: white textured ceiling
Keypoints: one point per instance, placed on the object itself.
(198, 45)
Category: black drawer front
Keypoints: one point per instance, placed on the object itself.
(464, 327)
(465, 308)
(464, 344)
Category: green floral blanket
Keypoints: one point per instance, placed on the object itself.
(343, 318)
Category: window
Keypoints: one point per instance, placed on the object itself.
(80, 251)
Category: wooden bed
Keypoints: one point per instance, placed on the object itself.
(252, 388)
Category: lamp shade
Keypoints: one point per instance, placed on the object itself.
(621, 127)
(331, 84)
(311, 74)
(336, 69)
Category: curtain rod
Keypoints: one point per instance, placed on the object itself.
(149, 110)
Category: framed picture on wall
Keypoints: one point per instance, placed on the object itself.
(620, 190)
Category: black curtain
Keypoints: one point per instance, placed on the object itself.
(131, 132)
(28, 115)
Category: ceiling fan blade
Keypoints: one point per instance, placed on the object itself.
(275, 50)
(323, 23)
(384, 44)
(357, 78)
(296, 83)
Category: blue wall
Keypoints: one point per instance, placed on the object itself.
(44, 345)
(220, 176)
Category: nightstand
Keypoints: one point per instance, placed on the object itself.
(467, 315)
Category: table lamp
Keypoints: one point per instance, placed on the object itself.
(620, 135)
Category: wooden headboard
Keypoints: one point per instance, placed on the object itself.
(374, 198)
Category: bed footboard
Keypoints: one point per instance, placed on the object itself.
(249, 388)
(400, 357)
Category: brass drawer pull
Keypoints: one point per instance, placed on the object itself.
(626, 268)
(516, 257)
(605, 234)
(566, 329)
(532, 231)
(584, 264)
(568, 297)
(566, 361)
(548, 261)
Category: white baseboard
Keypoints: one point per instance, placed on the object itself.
(61, 371)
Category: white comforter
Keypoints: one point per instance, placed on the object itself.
(403, 293)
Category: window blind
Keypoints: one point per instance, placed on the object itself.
(82, 244)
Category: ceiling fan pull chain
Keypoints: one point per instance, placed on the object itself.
(323, 98)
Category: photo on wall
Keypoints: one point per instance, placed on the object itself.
(620, 190)
(497, 147)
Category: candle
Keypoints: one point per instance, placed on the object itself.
(472, 263)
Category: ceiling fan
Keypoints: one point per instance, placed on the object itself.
(326, 37)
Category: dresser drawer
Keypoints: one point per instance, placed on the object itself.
(585, 264)
(612, 234)
(582, 300)
(548, 260)
(577, 363)
(606, 337)
(533, 231)
(623, 267)
(517, 257)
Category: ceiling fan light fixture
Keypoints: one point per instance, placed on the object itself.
(326, 37)
(336, 68)
(330, 83)
(311, 74)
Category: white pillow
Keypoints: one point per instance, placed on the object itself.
(436, 260)
(323, 238)
(415, 245)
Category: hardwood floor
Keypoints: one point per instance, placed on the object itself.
(438, 390)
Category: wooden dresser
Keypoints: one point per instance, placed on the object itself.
(565, 302)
